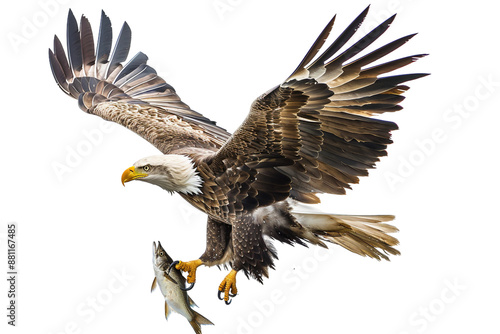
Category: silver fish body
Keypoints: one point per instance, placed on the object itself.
(170, 286)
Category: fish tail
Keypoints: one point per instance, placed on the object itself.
(198, 320)
(196, 326)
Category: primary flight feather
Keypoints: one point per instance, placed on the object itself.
(313, 133)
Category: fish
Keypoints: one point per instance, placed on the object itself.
(173, 287)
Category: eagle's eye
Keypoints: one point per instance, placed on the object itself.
(146, 168)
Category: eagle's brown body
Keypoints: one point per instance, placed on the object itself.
(311, 134)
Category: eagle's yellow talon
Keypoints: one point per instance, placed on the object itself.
(190, 267)
(229, 284)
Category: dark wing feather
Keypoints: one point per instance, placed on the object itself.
(58, 72)
(61, 59)
(120, 51)
(87, 45)
(73, 44)
(134, 63)
(314, 131)
(313, 51)
(343, 38)
(354, 50)
(104, 43)
(132, 95)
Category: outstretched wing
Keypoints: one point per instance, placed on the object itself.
(313, 133)
(132, 95)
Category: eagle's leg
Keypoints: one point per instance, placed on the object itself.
(228, 285)
(250, 254)
(218, 237)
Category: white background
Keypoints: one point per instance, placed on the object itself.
(84, 241)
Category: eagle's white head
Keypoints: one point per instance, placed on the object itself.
(172, 172)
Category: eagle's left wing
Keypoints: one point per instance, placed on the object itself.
(132, 95)
(313, 133)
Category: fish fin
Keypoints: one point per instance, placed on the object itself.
(167, 311)
(201, 319)
(168, 277)
(153, 286)
(191, 302)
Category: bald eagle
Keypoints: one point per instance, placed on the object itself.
(311, 134)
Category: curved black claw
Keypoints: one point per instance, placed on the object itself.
(173, 264)
(219, 295)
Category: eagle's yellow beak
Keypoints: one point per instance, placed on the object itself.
(130, 174)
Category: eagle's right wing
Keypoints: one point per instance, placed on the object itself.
(132, 95)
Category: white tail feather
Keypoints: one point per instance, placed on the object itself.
(366, 235)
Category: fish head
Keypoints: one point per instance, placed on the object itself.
(160, 257)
